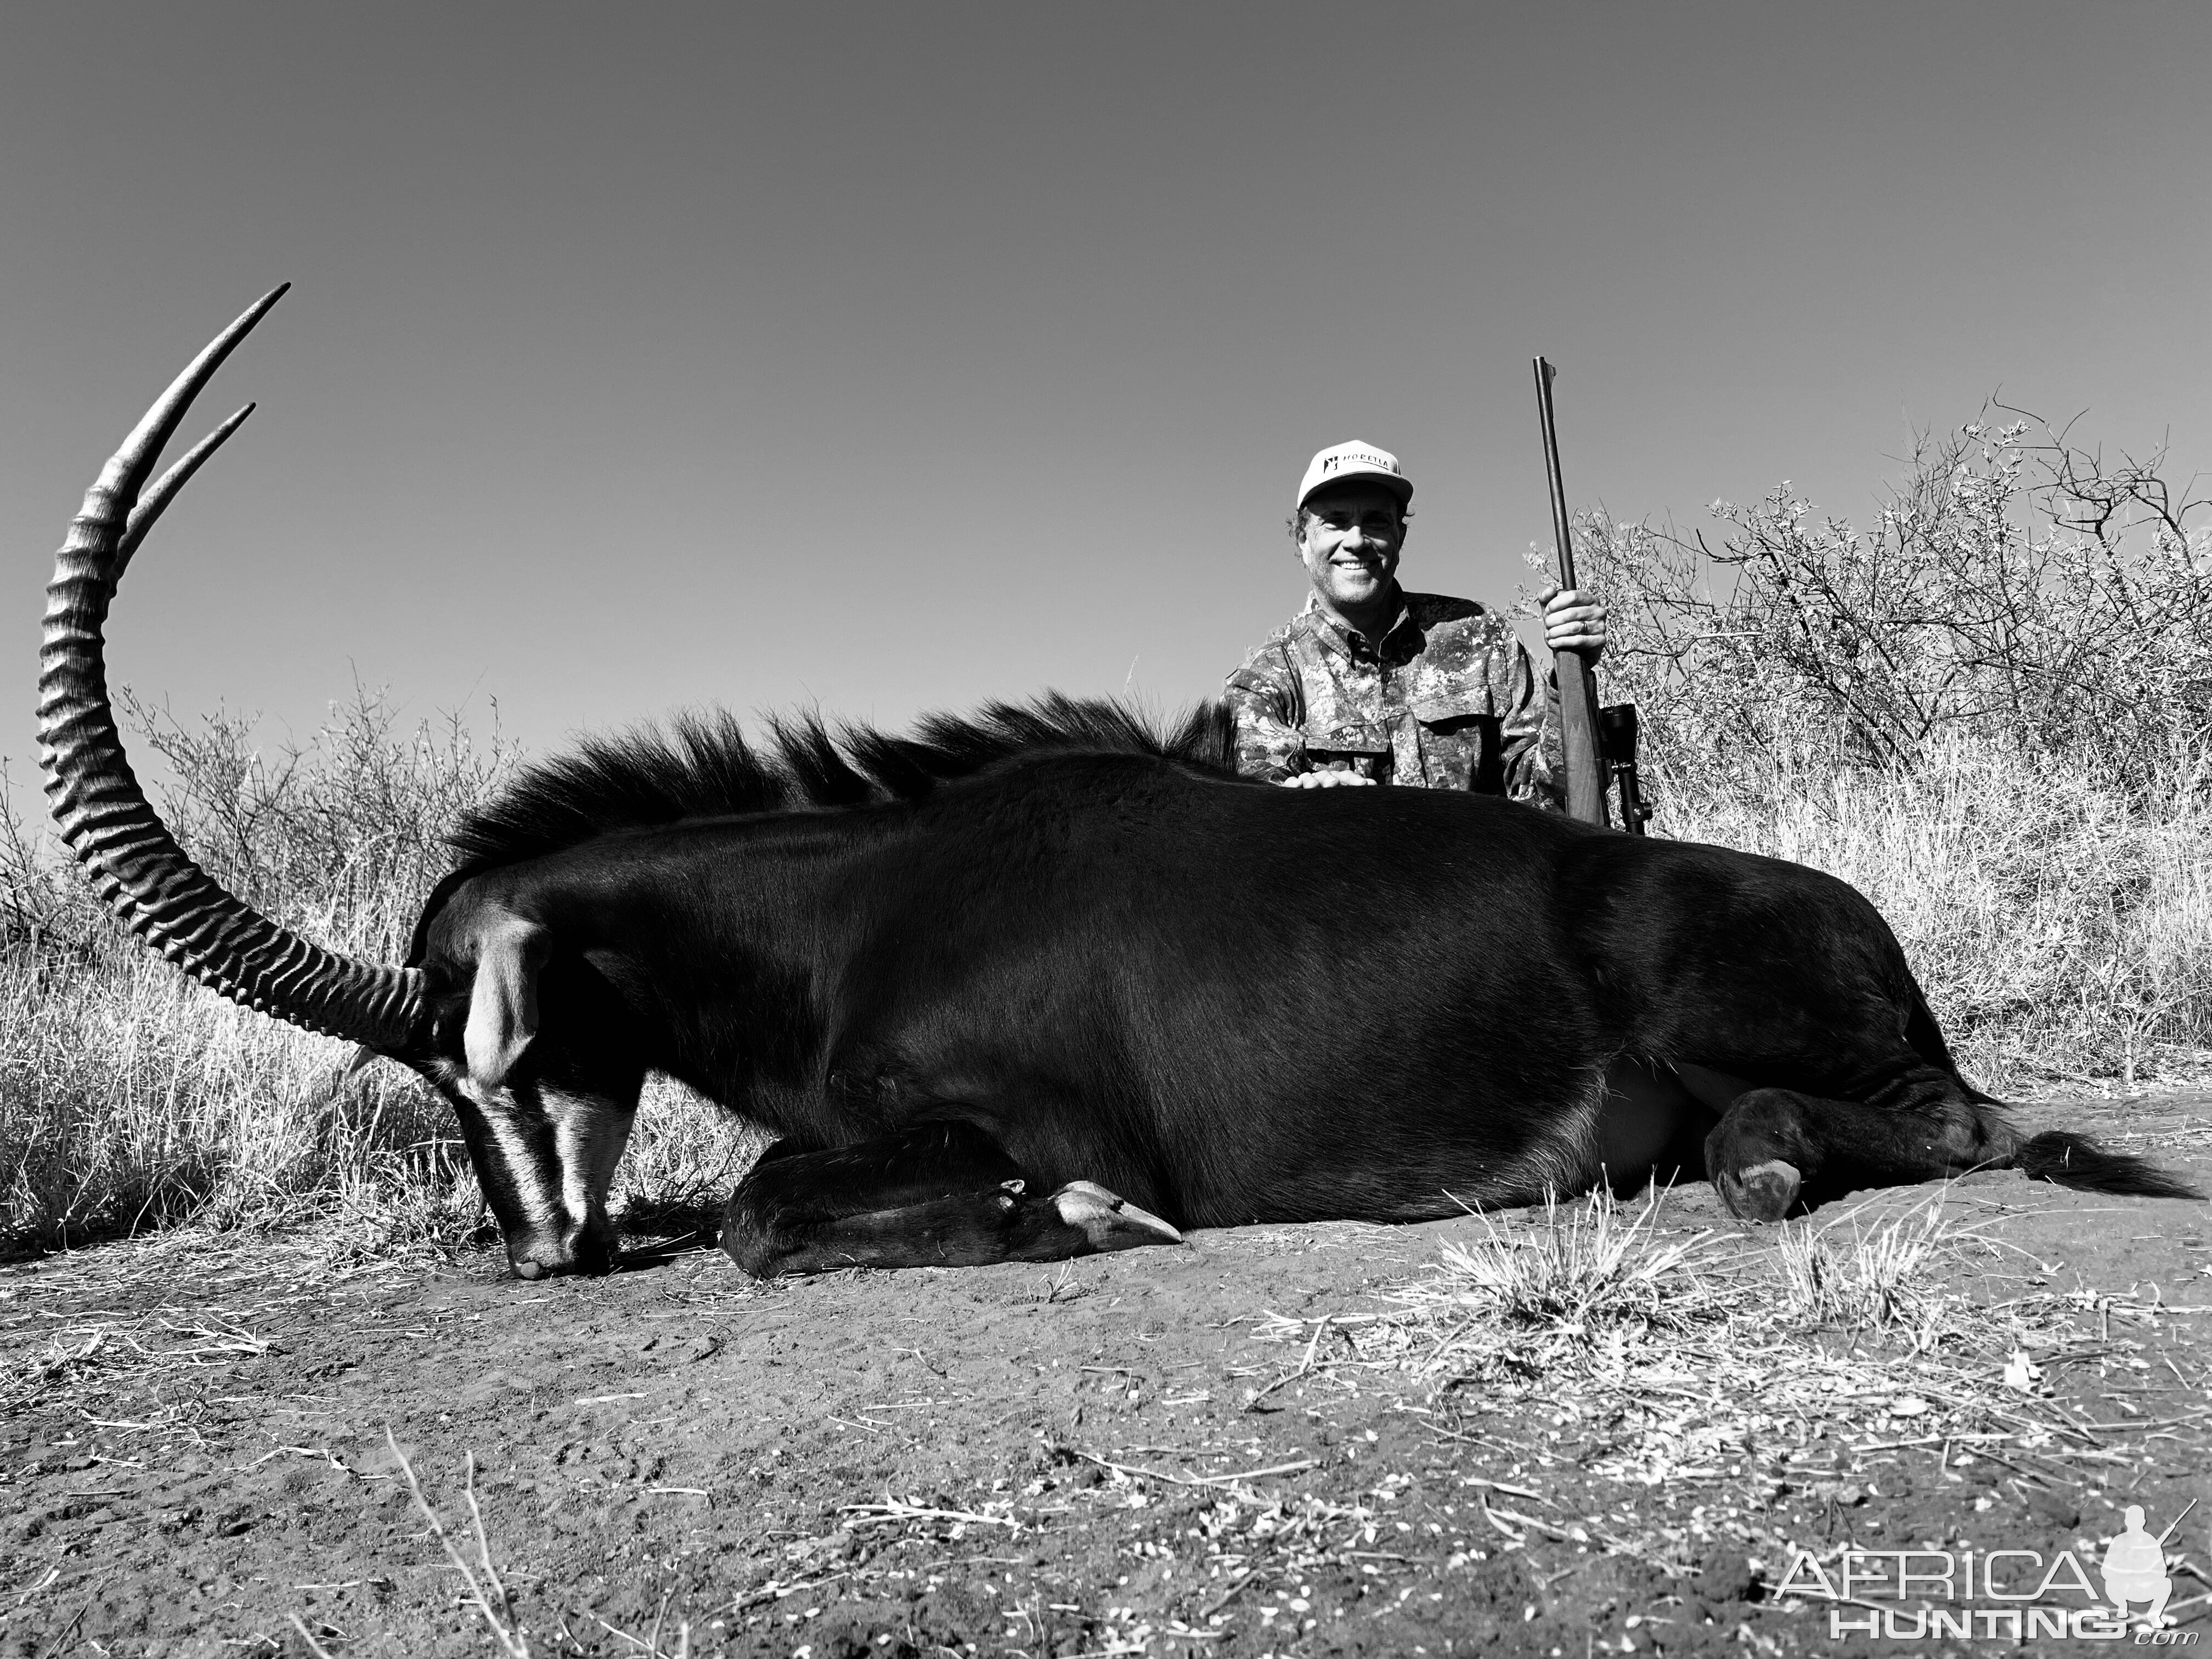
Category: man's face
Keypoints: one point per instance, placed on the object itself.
(1349, 544)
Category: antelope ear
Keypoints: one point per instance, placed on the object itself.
(503, 1002)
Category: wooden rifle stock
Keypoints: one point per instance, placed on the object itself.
(1578, 683)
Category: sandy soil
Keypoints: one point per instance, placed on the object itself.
(1017, 1460)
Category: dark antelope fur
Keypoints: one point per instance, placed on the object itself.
(1046, 982)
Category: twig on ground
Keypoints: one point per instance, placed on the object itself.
(651, 1649)
(1499, 1517)
(896, 1509)
(1230, 1593)
(511, 1641)
(70, 1629)
(1302, 1463)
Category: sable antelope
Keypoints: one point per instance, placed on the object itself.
(999, 984)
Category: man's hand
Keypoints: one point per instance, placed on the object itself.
(1325, 781)
(1573, 620)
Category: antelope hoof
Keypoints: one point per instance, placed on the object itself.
(1764, 1191)
(1109, 1221)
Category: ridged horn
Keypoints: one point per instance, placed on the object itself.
(134, 863)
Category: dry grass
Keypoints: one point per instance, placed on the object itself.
(135, 1100)
(2062, 930)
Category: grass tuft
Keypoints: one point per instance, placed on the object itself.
(1874, 1280)
(1582, 1269)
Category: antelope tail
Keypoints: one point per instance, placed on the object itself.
(2071, 1160)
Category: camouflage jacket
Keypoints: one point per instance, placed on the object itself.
(1451, 699)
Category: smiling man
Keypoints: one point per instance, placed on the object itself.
(1371, 685)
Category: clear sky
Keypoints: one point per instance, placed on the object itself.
(896, 356)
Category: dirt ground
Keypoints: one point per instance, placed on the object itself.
(1194, 1451)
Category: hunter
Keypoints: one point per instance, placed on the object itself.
(1371, 685)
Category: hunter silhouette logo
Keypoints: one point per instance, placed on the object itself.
(2135, 1568)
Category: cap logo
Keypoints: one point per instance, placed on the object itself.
(1357, 457)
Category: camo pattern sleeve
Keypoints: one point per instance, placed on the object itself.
(1534, 760)
(1448, 699)
(1267, 703)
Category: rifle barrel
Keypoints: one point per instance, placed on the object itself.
(1578, 684)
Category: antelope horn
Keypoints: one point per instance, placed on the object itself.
(134, 863)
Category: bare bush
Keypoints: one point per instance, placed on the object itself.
(2014, 588)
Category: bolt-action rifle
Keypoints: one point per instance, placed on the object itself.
(1598, 742)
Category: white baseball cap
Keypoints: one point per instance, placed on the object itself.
(1340, 463)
